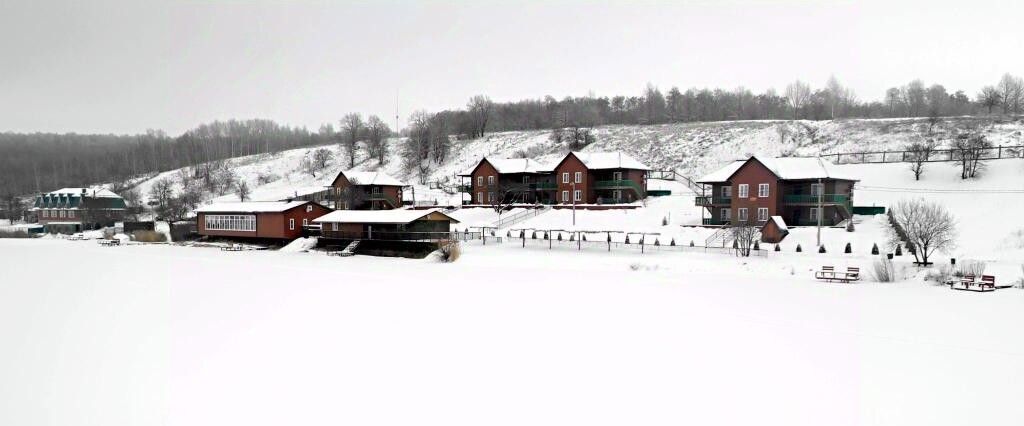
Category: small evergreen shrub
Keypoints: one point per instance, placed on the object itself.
(874, 249)
(821, 249)
(798, 248)
(848, 249)
(777, 248)
(757, 245)
(899, 250)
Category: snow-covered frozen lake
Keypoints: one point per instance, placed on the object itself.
(144, 335)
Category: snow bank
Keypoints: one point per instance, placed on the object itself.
(300, 245)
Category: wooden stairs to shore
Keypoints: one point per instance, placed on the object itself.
(350, 249)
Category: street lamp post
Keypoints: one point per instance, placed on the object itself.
(574, 203)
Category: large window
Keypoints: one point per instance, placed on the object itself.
(762, 190)
(565, 177)
(725, 214)
(565, 196)
(726, 192)
(579, 177)
(577, 195)
(762, 214)
(743, 191)
(741, 214)
(490, 180)
(231, 222)
(814, 214)
(479, 181)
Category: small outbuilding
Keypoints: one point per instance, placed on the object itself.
(386, 225)
(774, 230)
(258, 219)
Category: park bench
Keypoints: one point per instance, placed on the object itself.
(828, 273)
(969, 283)
(233, 247)
(110, 243)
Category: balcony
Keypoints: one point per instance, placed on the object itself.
(545, 186)
(465, 188)
(380, 196)
(707, 200)
(714, 221)
(813, 199)
(618, 184)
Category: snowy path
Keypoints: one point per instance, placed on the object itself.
(506, 336)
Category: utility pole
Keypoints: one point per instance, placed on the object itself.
(821, 189)
(574, 203)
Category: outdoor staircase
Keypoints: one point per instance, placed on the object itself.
(510, 220)
(720, 238)
(350, 249)
(677, 177)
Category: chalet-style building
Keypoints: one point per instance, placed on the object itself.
(269, 220)
(600, 178)
(753, 190)
(509, 181)
(354, 190)
(70, 210)
(386, 225)
(578, 178)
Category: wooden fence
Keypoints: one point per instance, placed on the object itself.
(937, 155)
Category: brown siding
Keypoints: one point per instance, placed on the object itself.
(754, 173)
(570, 164)
(269, 224)
(479, 185)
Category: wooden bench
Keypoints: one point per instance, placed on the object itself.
(110, 243)
(233, 247)
(828, 273)
(968, 283)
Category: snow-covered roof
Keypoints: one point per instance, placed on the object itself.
(512, 165)
(371, 178)
(97, 192)
(376, 216)
(780, 223)
(786, 168)
(250, 207)
(609, 160)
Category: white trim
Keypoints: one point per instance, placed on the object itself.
(565, 177)
(577, 195)
(230, 222)
(565, 196)
(762, 190)
(762, 214)
(578, 177)
(743, 190)
(291, 224)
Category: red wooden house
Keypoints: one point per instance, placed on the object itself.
(600, 178)
(355, 190)
(276, 220)
(509, 180)
(799, 189)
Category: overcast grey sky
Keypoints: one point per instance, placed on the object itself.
(125, 66)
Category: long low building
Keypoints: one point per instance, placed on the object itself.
(258, 219)
(393, 225)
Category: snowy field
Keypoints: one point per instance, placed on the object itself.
(141, 335)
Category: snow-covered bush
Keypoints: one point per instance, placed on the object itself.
(970, 267)
(149, 236)
(450, 250)
(883, 271)
(849, 226)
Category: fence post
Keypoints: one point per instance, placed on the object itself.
(883, 156)
(1000, 151)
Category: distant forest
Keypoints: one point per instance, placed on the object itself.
(45, 161)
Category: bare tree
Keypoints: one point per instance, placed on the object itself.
(745, 235)
(1011, 91)
(377, 132)
(479, 108)
(918, 153)
(352, 127)
(242, 189)
(797, 94)
(989, 97)
(161, 191)
(927, 226)
(970, 148)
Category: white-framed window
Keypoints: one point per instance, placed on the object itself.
(579, 177)
(725, 214)
(334, 226)
(814, 213)
(762, 214)
(305, 222)
(565, 196)
(291, 224)
(46, 213)
(479, 197)
(490, 180)
(817, 189)
(479, 181)
(490, 197)
(309, 208)
(617, 194)
(230, 222)
(762, 190)
(526, 179)
(743, 190)
(565, 177)
(726, 191)
(741, 214)
(71, 213)
(62, 214)
(616, 175)
(577, 195)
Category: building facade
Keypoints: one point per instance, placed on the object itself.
(354, 190)
(578, 178)
(272, 220)
(388, 225)
(799, 190)
(509, 181)
(71, 210)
